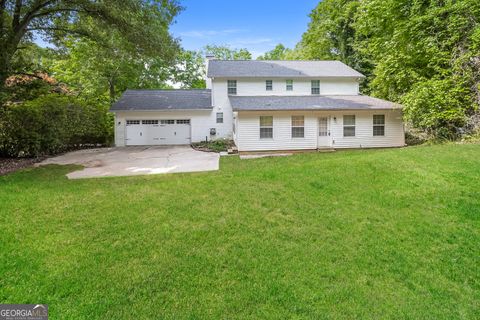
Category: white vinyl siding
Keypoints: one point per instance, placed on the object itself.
(256, 87)
(248, 139)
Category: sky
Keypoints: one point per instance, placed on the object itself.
(255, 25)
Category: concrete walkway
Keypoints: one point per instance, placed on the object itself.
(129, 161)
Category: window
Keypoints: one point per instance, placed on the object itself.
(266, 127)
(132, 122)
(315, 86)
(149, 121)
(183, 121)
(232, 86)
(378, 124)
(323, 126)
(269, 85)
(219, 117)
(298, 127)
(167, 121)
(289, 85)
(349, 126)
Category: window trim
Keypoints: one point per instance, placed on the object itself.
(265, 127)
(219, 118)
(296, 126)
(376, 125)
(232, 87)
(315, 87)
(289, 85)
(350, 125)
(268, 85)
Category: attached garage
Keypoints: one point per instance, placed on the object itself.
(157, 132)
(162, 117)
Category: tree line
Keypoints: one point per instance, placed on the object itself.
(424, 54)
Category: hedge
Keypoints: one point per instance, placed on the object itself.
(52, 124)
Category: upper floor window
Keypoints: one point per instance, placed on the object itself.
(349, 126)
(232, 86)
(219, 117)
(269, 85)
(315, 86)
(289, 85)
(266, 127)
(378, 124)
(298, 127)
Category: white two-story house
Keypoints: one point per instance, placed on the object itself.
(263, 106)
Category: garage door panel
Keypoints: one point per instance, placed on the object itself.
(158, 132)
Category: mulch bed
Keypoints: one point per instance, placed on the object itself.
(8, 165)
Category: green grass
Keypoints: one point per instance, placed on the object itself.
(382, 234)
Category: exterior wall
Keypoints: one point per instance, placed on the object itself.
(248, 129)
(301, 87)
(200, 120)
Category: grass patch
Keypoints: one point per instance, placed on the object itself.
(357, 234)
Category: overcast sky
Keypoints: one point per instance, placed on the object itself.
(256, 25)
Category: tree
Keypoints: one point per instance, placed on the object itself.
(189, 70)
(227, 53)
(423, 54)
(94, 69)
(278, 53)
(142, 23)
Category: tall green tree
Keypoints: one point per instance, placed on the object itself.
(143, 23)
(227, 53)
(280, 52)
(422, 53)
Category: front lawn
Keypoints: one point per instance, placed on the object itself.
(383, 234)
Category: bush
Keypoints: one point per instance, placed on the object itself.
(438, 107)
(51, 124)
(218, 145)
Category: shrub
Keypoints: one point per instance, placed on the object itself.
(51, 124)
(438, 107)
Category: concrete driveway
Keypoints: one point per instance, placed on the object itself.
(129, 161)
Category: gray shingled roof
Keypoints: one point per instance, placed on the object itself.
(133, 100)
(276, 69)
(278, 103)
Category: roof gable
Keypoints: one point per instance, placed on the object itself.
(280, 68)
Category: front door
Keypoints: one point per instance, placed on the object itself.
(324, 132)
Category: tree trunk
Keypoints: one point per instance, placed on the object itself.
(111, 88)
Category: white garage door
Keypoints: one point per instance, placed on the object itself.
(157, 132)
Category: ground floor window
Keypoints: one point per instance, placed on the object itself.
(349, 126)
(298, 126)
(266, 127)
(378, 124)
(219, 117)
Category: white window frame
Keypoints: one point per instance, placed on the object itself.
(232, 87)
(378, 125)
(349, 125)
(219, 117)
(132, 122)
(315, 90)
(268, 85)
(268, 127)
(289, 85)
(298, 122)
